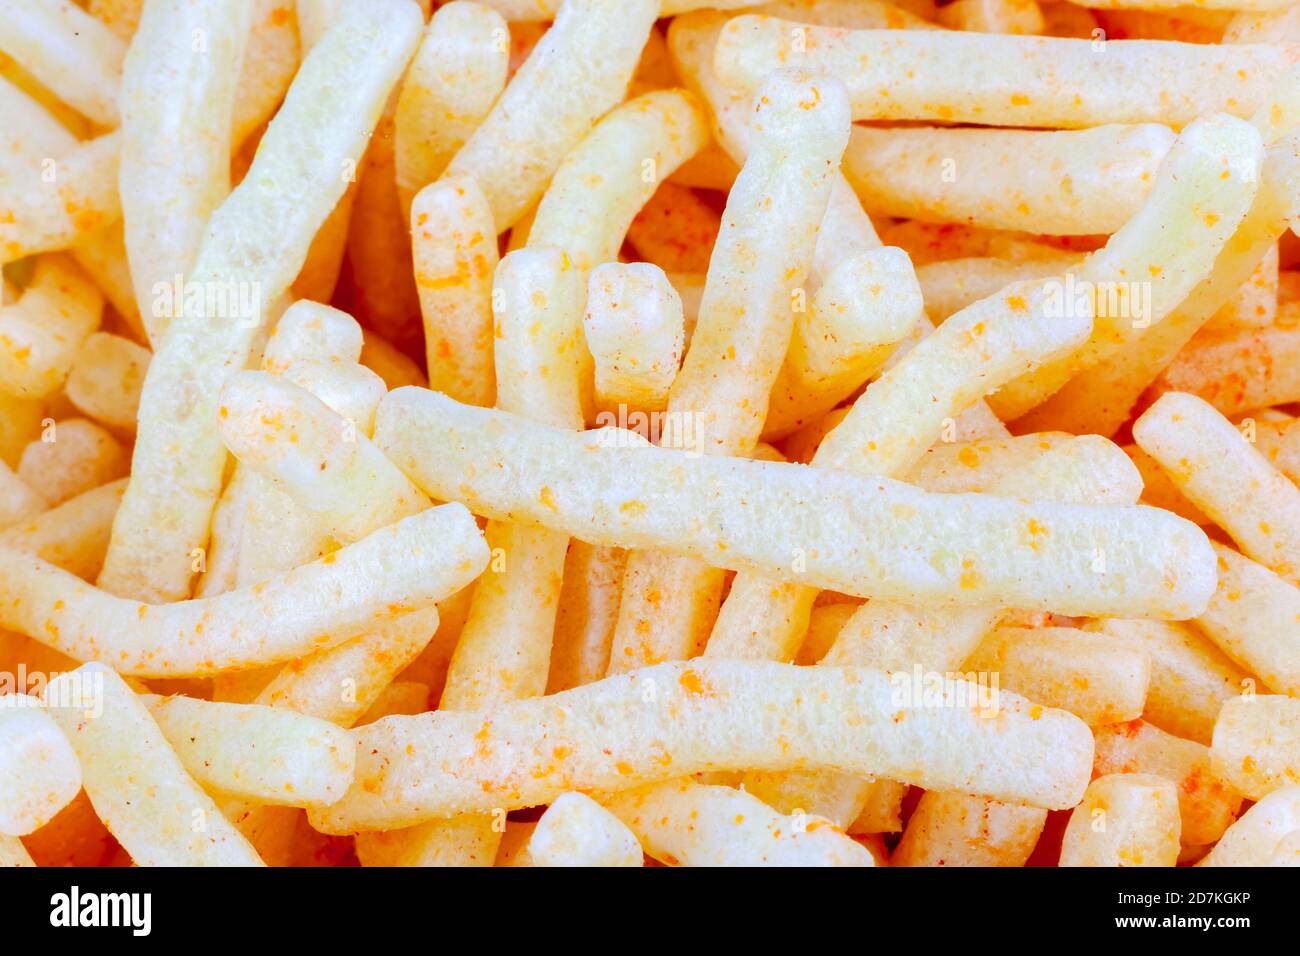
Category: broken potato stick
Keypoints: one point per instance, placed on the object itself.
(956, 829)
(1256, 744)
(634, 328)
(1128, 819)
(857, 535)
(39, 773)
(41, 333)
(1260, 833)
(401, 568)
(575, 830)
(676, 719)
(105, 380)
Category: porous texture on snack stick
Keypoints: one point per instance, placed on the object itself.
(676, 719)
(105, 379)
(41, 333)
(1203, 191)
(1276, 26)
(456, 75)
(32, 132)
(72, 456)
(684, 823)
(269, 220)
(634, 328)
(175, 164)
(18, 500)
(271, 58)
(950, 285)
(1128, 819)
(401, 568)
(1075, 182)
(577, 831)
(72, 536)
(13, 853)
(1237, 370)
(586, 615)
(579, 70)
(1256, 744)
(956, 829)
(1005, 80)
(855, 536)
(39, 773)
(1253, 839)
(135, 781)
(1222, 473)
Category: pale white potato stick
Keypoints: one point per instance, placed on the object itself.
(269, 220)
(41, 333)
(70, 52)
(13, 853)
(271, 58)
(676, 719)
(1066, 182)
(683, 823)
(72, 457)
(346, 388)
(105, 379)
(467, 840)
(1287, 851)
(950, 285)
(407, 566)
(102, 254)
(956, 829)
(1208, 804)
(400, 697)
(1191, 679)
(268, 755)
(39, 773)
(72, 536)
(575, 830)
(1256, 744)
(652, 581)
(1214, 466)
(454, 246)
(1038, 81)
(135, 781)
(1202, 192)
(586, 615)
(175, 164)
(634, 327)
(1126, 819)
(1237, 370)
(1274, 26)
(457, 74)
(32, 132)
(309, 330)
(1261, 831)
(579, 70)
(19, 501)
(857, 535)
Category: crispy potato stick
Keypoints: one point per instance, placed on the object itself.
(135, 781)
(950, 285)
(586, 615)
(69, 51)
(13, 853)
(1125, 819)
(675, 719)
(1219, 472)
(453, 242)
(405, 697)
(39, 773)
(1261, 831)
(32, 132)
(1255, 303)
(577, 831)
(1275, 26)
(1190, 678)
(1237, 370)
(1287, 851)
(455, 77)
(851, 530)
(1256, 744)
(955, 829)
(579, 70)
(401, 568)
(18, 500)
(1073, 181)
(272, 756)
(1204, 189)
(395, 368)
(268, 220)
(72, 536)
(635, 330)
(175, 165)
(1090, 675)
(41, 333)
(270, 61)
(105, 379)
(1040, 81)
(1207, 803)
(72, 457)
(683, 823)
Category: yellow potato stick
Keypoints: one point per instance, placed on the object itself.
(41, 774)
(579, 70)
(32, 133)
(453, 243)
(1256, 744)
(955, 829)
(401, 568)
(1255, 303)
(347, 388)
(1261, 831)
(950, 285)
(269, 220)
(824, 624)
(586, 615)
(1274, 26)
(634, 328)
(1125, 819)
(309, 330)
(175, 164)
(1073, 181)
(457, 74)
(683, 823)
(1207, 803)
(1237, 370)
(1252, 5)
(42, 332)
(272, 756)
(400, 697)
(105, 379)
(1217, 469)
(71, 457)
(577, 831)
(641, 728)
(18, 500)
(69, 51)
(135, 781)
(1048, 81)
(72, 536)
(271, 58)
(993, 16)
(1191, 679)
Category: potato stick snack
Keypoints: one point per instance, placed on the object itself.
(1127, 819)
(1256, 744)
(577, 831)
(41, 774)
